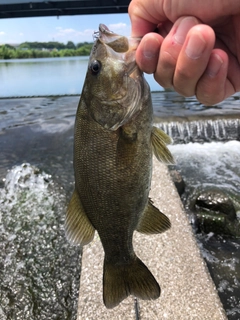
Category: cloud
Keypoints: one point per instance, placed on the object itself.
(63, 32)
(87, 32)
(70, 34)
(2, 33)
(120, 28)
(21, 34)
(117, 26)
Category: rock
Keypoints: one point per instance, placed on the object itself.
(217, 201)
(216, 213)
(177, 179)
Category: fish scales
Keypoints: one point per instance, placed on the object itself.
(113, 145)
(107, 179)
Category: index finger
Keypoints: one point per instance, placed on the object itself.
(142, 18)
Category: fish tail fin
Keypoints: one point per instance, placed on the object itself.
(120, 281)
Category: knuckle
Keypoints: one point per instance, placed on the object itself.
(165, 70)
(185, 86)
(208, 97)
(184, 73)
(210, 92)
(185, 81)
(165, 80)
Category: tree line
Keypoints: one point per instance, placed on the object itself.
(45, 50)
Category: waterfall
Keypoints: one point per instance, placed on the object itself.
(202, 130)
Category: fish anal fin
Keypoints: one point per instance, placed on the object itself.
(78, 228)
(122, 280)
(159, 140)
(153, 221)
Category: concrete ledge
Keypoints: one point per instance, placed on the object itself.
(174, 259)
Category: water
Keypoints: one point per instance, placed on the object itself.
(46, 76)
(223, 261)
(186, 120)
(203, 130)
(215, 165)
(40, 271)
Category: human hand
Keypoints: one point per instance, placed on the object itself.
(199, 42)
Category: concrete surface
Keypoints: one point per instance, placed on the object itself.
(173, 257)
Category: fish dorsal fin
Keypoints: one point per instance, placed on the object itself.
(78, 228)
(159, 140)
(153, 221)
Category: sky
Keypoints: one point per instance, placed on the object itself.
(62, 29)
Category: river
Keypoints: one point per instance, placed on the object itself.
(46, 76)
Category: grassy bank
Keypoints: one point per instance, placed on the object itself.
(44, 50)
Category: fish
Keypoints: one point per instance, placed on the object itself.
(114, 142)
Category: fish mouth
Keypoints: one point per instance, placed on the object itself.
(105, 30)
(118, 43)
(107, 35)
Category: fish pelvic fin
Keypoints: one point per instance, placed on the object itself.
(122, 280)
(159, 140)
(78, 228)
(153, 221)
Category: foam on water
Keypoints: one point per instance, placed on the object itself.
(202, 130)
(29, 179)
(39, 270)
(210, 164)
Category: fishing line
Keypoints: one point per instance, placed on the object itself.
(136, 307)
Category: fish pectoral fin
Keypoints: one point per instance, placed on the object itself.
(122, 280)
(78, 228)
(159, 140)
(153, 221)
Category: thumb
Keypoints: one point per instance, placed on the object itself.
(142, 19)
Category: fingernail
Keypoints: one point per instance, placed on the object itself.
(150, 49)
(149, 54)
(214, 65)
(195, 46)
(185, 25)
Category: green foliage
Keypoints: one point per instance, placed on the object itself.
(40, 45)
(6, 52)
(70, 45)
(45, 50)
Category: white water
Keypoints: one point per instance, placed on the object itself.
(38, 266)
(209, 164)
(202, 130)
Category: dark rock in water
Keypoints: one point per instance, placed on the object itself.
(177, 179)
(39, 270)
(216, 213)
(217, 201)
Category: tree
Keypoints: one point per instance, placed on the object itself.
(70, 45)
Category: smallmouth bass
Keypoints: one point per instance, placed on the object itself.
(114, 141)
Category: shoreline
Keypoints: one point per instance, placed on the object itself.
(55, 95)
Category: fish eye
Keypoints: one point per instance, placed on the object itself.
(95, 67)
